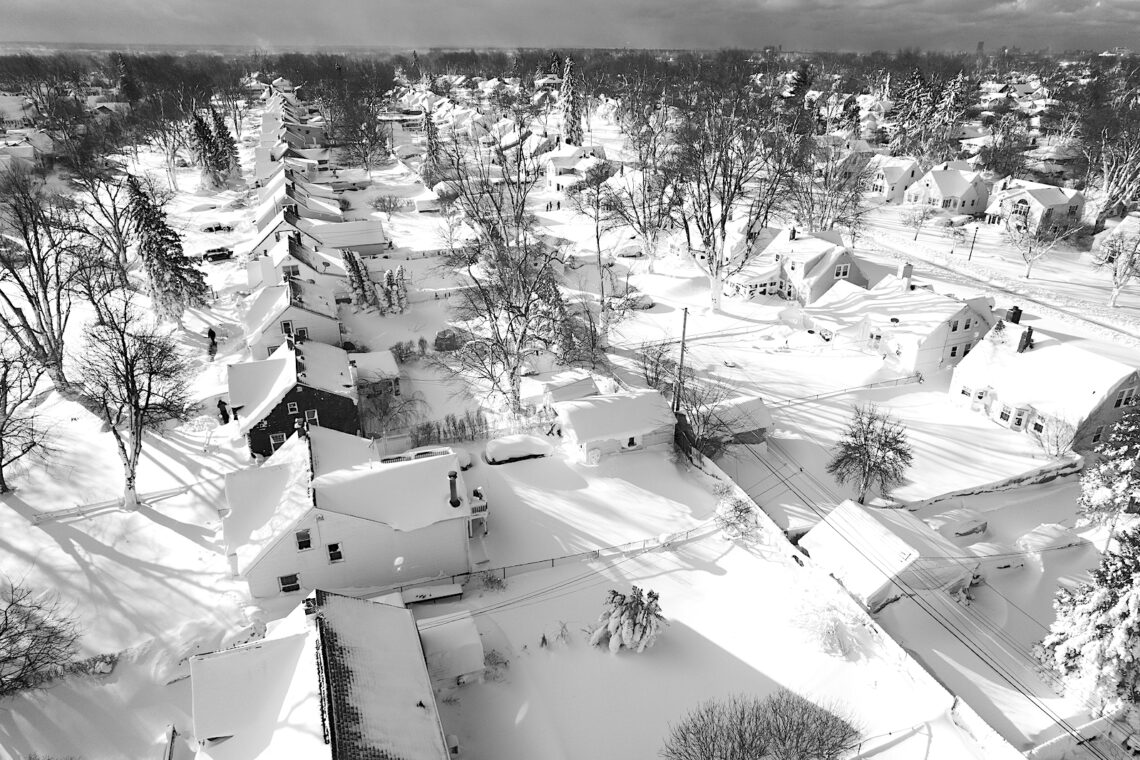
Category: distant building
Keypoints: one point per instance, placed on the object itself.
(952, 187)
(1034, 205)
(795, 265)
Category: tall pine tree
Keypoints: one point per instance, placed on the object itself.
(207, 154)
(1094, 644)
(1111, 484)
(173, 281)
(571, 105)
(226, 149)
(431, 168)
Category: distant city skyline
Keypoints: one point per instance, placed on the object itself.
(857, 25)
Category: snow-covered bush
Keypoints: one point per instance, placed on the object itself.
(736, 518)
(833, 629)
(629, 620)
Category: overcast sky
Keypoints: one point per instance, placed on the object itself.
(795, 24)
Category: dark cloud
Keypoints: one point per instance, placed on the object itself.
(802, 24)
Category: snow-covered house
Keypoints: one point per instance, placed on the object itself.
(600, 425)
(891, 176)
(290, 258)
(918, 330)
(1035, 205)
(339, 677)
(794, 265)
(879, 555)
(951, 186)
(1024, 379)
(365, 236)
(281, 194)
(325, 512)
(292, 309)
(307, 384)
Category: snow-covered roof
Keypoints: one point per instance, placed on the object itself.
(1010, 190)
(259, 386)
(267, 501)
(1059, 378)
(265, 696)
(868, 549)
(406, 495)
(452, 647)
(381, 703)
(952, 179)
(892, 167)
(375, 365)
(616, 415)
(272, 300)
(919, 311)
(333, 450)
(562, 385)
(360, 233)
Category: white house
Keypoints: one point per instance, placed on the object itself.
(793, 265)
(1035, 205)
(878, 554)
(952, 187)
(290, 258)
(891, 176)
(338, 677)
(1027, 380)
(916, 329)
(617, 422)
(293, 309)
(324, 512)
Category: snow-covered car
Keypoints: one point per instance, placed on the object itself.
(960, 219)
(512, 448)
(640, 301)
(217, 227)
(940, 221)
(1047, 537)
(959, 522)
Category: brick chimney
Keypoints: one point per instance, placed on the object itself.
(452, 480)
(905, 271)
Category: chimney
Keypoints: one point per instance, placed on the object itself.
(452, 478)
(1026, 340)
(1013, 316)
(905, 271)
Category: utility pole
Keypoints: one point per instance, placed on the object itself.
(975, 237)
(681, 362)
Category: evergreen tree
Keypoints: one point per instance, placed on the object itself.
(629, 620)
(390, 299)
(571, 105)
(801, 81)
(430, 169)
(1094, 644)
(206, 154)
(173, 281)
(555, 65)
(401, 286)
(1110, 485)
(128, 86)
(225, 146)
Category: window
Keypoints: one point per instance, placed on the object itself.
(271, 349)
(842, 270)
(1005, 413)
(1098, 434)
(263, 425)
(946, 203)
(954, 326)
(1019, 418)
(966, 323)
(966, 349)
(292, 407)
(980, 395)
(953, 351)
(966, 392)
(971, 204)
(335, 553)
(276, 440)
(1072, 210)
(302, 333)
(304, 540)
(1124, 398)
(1038, 426)
(286, 327)
(311, 417)
(631, 443)
(291, 270)
(289, 583)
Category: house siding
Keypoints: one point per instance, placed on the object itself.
(374, 554)
(321, 329)
(334, 411)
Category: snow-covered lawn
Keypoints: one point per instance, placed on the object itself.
(737, 624)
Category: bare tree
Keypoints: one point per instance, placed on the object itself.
(916, 216)
(828, 192)
(1120, 255)
(588, 198)
(39, 256)
(658, 366)
(492, 186)
(134, 374)
(37, 637)
(704, 404)
(385, 412)
(782, 725)
(1055, 437)
(22, 433)
(1036, 242)
(873, 449)
(646, 202)
(388, 204)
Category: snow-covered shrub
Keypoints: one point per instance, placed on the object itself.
(833, 629)
(629, 620)
(490, 581)
(1056, 437)
(496, 665)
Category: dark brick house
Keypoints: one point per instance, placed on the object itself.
(303, 384)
